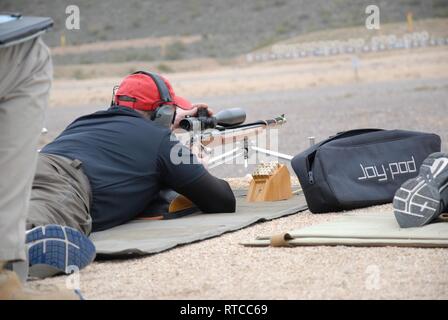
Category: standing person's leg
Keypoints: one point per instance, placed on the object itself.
(25, 80)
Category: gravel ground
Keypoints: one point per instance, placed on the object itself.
(220, 268)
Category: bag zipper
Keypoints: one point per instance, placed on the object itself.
(335, 137)
(310, 177)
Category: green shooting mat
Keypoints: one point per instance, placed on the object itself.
(142, 237)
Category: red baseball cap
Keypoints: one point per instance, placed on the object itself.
(139, 91)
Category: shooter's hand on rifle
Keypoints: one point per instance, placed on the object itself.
(181, 114)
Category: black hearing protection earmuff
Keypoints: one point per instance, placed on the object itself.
(165, 113)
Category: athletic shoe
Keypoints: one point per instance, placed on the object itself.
(54, 249)
(422, 199)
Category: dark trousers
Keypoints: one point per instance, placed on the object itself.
(60, 194)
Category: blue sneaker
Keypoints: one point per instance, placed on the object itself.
(54, 249)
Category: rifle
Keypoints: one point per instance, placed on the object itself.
(226, 127)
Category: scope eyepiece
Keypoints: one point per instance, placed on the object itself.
(201, 123)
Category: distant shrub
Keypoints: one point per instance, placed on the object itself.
(259, 5)
(102, 36)
(195, 8)
(85, 60)
(79, 74)
(439, 4)
(441, 11)
(136, 24)
(162, 67)
(304, 16)
(279, 3)
(93, 30)
(137, 56)
(137, 4)
(265, 42)
(163, 19)
(283, 28)
(174, 51)
(109, 27)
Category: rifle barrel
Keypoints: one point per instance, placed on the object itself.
(268, 123)
(225, 135)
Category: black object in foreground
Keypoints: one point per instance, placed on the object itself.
(361, 168)
(203, 121)
(16, 27)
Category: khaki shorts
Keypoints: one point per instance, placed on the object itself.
(60, 194)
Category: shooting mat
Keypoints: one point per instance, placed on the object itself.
(142, 237)
(375, 229)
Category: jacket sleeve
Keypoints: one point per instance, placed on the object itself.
(180, 170)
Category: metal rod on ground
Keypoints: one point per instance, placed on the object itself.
(273, 153)
(223, 156)
(225, 160)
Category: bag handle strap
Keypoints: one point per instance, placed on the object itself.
(343, 134)
(349, 133)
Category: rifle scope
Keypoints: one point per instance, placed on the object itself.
(224, 118)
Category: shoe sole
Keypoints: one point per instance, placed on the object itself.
(55, 249)
(418, 200)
